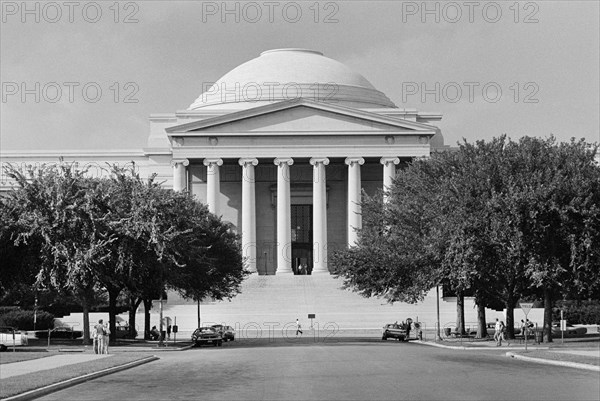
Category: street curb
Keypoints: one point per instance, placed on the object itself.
(472, 348)
(575, 365)
(32, 394)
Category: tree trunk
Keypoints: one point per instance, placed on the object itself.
(112, 313)
(86, 321)
(481, 323)
(460, 313)
(134, 303)
(510, 319)
(147, 307)
(547, 330)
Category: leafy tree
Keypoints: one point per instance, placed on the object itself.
(557, 191)
(55, 212)
(498, 220)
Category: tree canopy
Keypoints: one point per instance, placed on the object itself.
(117, 234)
(499, 220)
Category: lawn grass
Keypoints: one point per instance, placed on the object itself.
(20, 384)
(9, 356)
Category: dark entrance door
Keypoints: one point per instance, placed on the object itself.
(302, 239)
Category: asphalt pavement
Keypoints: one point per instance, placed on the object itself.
(342, 370)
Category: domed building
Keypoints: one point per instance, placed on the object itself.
(281, 146)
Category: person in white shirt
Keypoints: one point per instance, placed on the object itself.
(498, 333)
(298, 328)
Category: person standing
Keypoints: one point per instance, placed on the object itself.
(98, 335)
(106, 335)
(498, 333)
(298, 328)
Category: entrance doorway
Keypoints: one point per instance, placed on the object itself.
(302, 241)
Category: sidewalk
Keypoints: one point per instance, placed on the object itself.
(581, 353)
(51, 362)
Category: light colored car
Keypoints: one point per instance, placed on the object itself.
(7, 339)
(571, 331)
(394, 330)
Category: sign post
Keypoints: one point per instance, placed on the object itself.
(526, 307)
(563, 327)
(311, 316)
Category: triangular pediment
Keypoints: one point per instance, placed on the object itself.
(299, 116)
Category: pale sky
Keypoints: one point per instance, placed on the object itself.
(543, 56)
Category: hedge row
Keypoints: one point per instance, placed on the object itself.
(584, 312)
(23, 319)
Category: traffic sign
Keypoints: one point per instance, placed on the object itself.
(526, 307)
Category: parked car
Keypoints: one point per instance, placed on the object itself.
(123, 332)
(60, 332)
(8, 340)
(571, 331)
(207, 335)
(227, 332)
(394, 330)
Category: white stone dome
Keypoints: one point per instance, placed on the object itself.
(285, 74)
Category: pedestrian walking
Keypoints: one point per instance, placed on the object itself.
(298, 328)
(503, 333)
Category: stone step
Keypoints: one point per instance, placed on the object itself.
(275, 302)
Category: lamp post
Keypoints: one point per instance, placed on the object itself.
(437, 304)
(265, 253)
(160, 325)
(198, 312)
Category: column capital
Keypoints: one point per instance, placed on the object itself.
(350, 160)
(175, 162)
(248, 160)
(208, 162)
(313, 161)
(386, 160)
(281, 160)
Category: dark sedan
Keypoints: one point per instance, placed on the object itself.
(226, 332)
(207, 335)
(60, 332)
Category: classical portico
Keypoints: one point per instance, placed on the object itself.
(288, 171)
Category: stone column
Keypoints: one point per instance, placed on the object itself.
(354, 198)
(248, 212)
(284, 216)
(180, 174)
(389, 173)
(319, 215)
(213, 184)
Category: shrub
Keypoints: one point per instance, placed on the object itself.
(582, 312)
(23, 319)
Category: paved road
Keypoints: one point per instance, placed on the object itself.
(350, 371)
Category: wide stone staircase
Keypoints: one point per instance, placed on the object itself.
(275, 302)
(270, 305)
